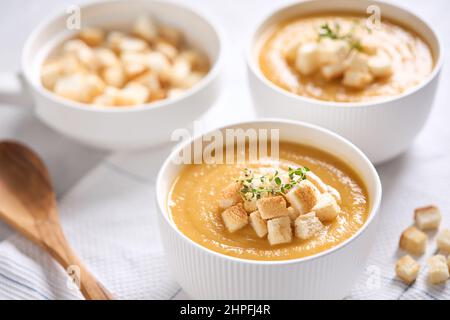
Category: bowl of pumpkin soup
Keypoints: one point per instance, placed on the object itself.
(293, 222)
(367, 70)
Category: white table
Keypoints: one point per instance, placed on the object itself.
(426, 163)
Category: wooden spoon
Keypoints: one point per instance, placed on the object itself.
(28, 203)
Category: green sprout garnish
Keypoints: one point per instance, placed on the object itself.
(255, 186)
(326, 31)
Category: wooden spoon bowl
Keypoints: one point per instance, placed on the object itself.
(28, 204)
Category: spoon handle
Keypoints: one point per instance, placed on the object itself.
(53, 241)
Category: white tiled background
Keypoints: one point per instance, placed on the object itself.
(426, 165)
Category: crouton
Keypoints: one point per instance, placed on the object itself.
(272, 207)
(357, 79)
(443, 240)
(303, 197)
(332, 51)
(279, 230)
(170, 34)
(316, 181)
(333, 71)
(334, 193)
(92, 36)
(307, 225)
(50, 73)
(407, 269)
(290, 50)
(79, 87)
(293, 214)
(145, 28)
(437, 269)
(158, 62)
(231, 195)
(358, 62)
(235, 217)
(258, 224)
(250, 205)
(133, 94)
(326, 208)
(428, 217)
(380, 66)
(306, 61)
(167, 49)
(113, 40)
(369, 45)
(130, 44)
(413, 241)
(106, 57)
(114, 76)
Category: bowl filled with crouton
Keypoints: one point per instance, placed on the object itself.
(293, 218)
(123, 75)
(367, 70)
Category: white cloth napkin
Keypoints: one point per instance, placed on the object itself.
(110, 219)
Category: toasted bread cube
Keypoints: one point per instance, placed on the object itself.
(250, 205)
(437, 269)
(50, 73)
(413, 241)
(333, 51)
(114, 76)
(303, 197)
(334, 193)
(231, 195)
(79, 87)
(307, 58)
(158, 62)
(134, 64)
(145, 28)
(407, 269)
(307, 226)
(443, 240)
(130, 44)
(293, 214)
(149, 80)
(333, 71)
(167, 49)
(74, 45)
(132, 94)
(196, 60)
(106, 57)
(290, 50)
(92, 36)
(105, 99)
(180, 70)
(170, 34)
(113, 40)
(235, 217)
(258, 224)
(317, 182)
(358, 62)
(326, 208)
(272, 207)
(357, 79)
(175, 92)
(279, 230)
(428, 217)
(82, 51)
(369, 45)
(380, 66)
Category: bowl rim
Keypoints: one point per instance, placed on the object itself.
(212, 74)
(162, 211)
(253, 67)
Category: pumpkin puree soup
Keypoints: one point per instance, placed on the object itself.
(340, 58)
(230, 208)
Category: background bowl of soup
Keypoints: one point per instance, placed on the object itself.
(133, 127)
(205, 272)
(382, 119)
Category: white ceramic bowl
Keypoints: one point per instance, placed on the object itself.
(205, 274)
(382, 129)
(123, 128)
